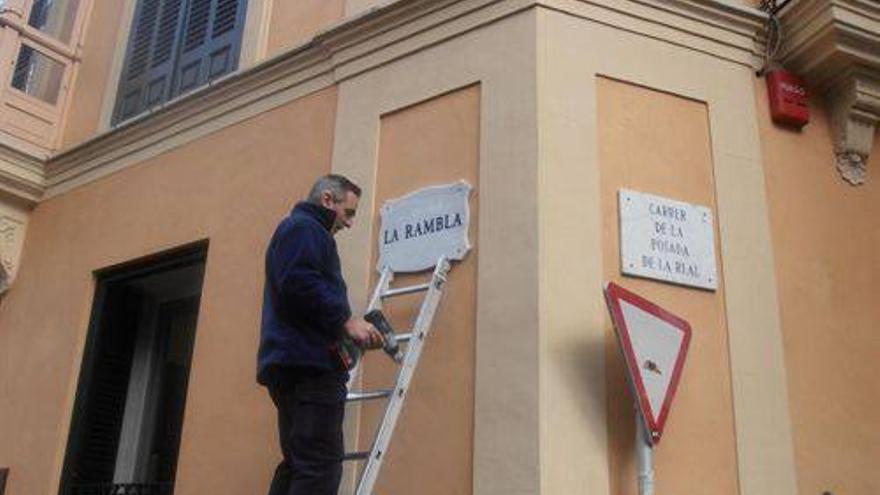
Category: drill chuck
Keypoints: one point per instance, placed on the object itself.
(391, 346)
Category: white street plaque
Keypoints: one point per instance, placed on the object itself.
(422, 226)
(665, 239)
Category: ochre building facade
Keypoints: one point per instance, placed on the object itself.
(148, 148)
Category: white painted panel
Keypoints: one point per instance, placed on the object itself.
(656, 344)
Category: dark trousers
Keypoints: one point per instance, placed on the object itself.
(311, 405)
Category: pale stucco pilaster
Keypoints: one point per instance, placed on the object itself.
(501, 59)
(573, 52)
(256, 32)
(574, 443)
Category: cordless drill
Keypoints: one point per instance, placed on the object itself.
(390, 344)
(348, 352)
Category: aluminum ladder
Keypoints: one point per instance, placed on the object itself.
(415, 341)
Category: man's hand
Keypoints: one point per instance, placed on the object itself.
(364, 333)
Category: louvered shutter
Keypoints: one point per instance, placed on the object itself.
(210, 43)
(102, 391)
(21, 74)
(39, 12)
(177, 326)
(149, 66)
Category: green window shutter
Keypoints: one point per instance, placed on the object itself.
(176, 46)
(211, 42)
(102, 390)
(149, 66)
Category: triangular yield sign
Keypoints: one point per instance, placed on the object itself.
(654, 344)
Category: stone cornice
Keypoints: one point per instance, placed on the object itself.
(825, 38)
(722, 29)
(209, 106)
(368, 40)
(21, 174)
(835, 46)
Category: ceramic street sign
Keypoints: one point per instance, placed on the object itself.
(665, 239)
(422, 226)
(654, 344)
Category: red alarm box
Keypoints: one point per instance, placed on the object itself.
(788, 99)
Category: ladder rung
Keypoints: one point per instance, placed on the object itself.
(376, 394)
(415, 339)
(355, 456)
(405, 290)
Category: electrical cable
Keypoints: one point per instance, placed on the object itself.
(773, 29)
(774, 41)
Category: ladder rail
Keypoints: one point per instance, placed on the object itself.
(385, 279)
(417, 337)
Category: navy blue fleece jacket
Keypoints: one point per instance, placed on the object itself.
(305, 300)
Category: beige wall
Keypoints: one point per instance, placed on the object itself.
(576, 443)
(500, 55)
(230, 187)
(826, 239)
(555, 138)
(272, 27)
(101, 39)
(295, 22)
(660, 144)
(435, 142)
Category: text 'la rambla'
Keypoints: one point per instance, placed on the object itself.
(424, 227)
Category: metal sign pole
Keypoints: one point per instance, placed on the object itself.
(644, 458)
(654, 343)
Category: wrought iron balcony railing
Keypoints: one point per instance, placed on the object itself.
(121, 489)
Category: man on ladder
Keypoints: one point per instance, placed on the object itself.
(305, 314)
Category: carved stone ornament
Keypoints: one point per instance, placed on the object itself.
(855, 111)
(834, 45)
(851, 166)
(10, 229)
(4, 279)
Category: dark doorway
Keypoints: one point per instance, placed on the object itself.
(128, 416)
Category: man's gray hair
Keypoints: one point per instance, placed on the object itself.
(338, 185)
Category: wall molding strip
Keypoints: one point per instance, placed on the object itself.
(356, 45)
